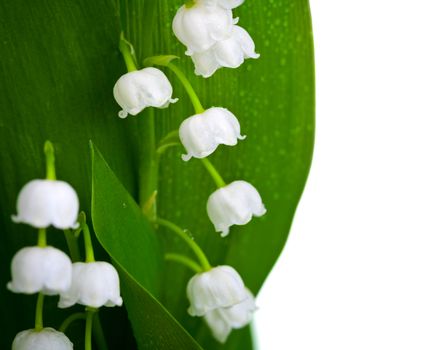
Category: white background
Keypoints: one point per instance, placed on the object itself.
(352, 275)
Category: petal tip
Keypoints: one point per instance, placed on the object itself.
(122, 114)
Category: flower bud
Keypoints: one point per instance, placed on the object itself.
(217, 288)
(148, 87)
(202, 133)
(94, 284)
(230, 52)
(40, 269)
(46, 339)
(221, 321)
(47, 202)
(234, 204)
(200, 26)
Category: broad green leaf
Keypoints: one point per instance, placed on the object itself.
(273, 97)
(127, 236)
(121, 227)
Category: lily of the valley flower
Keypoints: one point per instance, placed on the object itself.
(220, 296)
(202, 133)
(94, 284)
(42, 203)
(211, 35)
(148, 87)
(221, 321)
(229, 53)
(46, 339)
(40, 269)
(234, 204)
(217, 288)
(199, 27)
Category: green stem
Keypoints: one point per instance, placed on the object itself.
(49, 153)
(70, 319)
(198, 109)
(161, 149)
(213, 172)
(89, 325)
(42, 238)
(172, 139)
(88, 244)
(72, 244)
(190, 242)
(184, 261)
(126, 51)
(39, 312)
(188, 87)
(148, 169)
(99, 335)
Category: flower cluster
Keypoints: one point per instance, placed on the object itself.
(49, 271)
(213, 40)
(217, 294)
(211, 35)
(201, 134)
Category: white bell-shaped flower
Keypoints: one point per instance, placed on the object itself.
(46, 339)
(40, 269)
(217, 288)
(221, 321)
(200, 26)
(234, 204)
(148, 87)
(202, 133)
(42, 203)
(230, 52)
(94, 284)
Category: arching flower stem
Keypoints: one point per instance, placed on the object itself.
(203, 260)
(127, 52)
(184, 261)
(166, 61)
(39, 312)
(188, 87)
(213, 172)
(70, 319)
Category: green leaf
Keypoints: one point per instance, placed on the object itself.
(273, 98)
(129, 239)
(121, 228)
